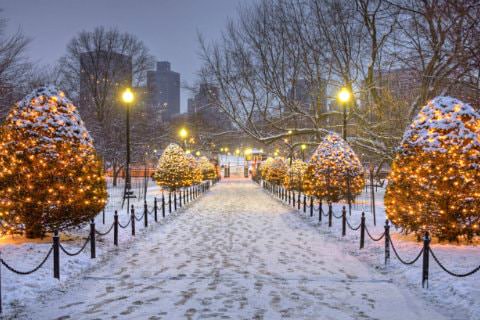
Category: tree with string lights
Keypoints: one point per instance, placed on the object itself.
(50, 175)
(434, 184)
(208, 169)
(334, 171)
(264, 167)
(195, 172)
(276, 171)
(174, 168)
(295, 176)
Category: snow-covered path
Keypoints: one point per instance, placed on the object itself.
(236, 253)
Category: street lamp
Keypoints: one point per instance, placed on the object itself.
(183, 133)
(197, 153)
(344, 96)
(127, 98)
(303, 147)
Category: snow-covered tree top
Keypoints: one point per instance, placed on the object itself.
(334, 153)
(442, 123)
(48, 114)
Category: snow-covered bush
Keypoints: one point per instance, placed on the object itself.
(276, 171)
(334, 171)
(434, 184)
(174, 169)
(50, 175)
(208, 169)
(195, 171)
(294, 177)
(264, 166)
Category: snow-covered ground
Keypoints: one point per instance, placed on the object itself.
(455, 297)
(23, 254)
(236, 253)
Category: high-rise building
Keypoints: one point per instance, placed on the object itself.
(163, 86)
(203, 109)
(102, 75)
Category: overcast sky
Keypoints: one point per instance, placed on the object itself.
(167, 27)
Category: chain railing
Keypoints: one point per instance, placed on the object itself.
(292, 198)
(184, 197)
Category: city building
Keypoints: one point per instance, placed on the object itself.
(163, 86)
(203, 109)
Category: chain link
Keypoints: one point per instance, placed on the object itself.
(371, 237)
(77, 252)
(400, 259)
(124, 226)
(105, 233)
(31, 271)
(459, 275)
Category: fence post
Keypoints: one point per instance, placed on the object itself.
(293, 197)
(344, 221)
(175, 200)
(289, 197)
(169, 202)
(320, 210)
(426, 254)
(184, 196)
(387, 242)
(56, 255)
(311, 206)
(330, 214)
(115, 228)
(103, 215)
(155, 208)
(145, 214)
(299, 201)
(180, 199)
(304, 203)
(362, 231)
(92, 239)
(132, 219)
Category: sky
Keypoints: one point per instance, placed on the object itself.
(167, 27)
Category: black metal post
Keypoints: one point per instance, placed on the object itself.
(387, 242)
(145, 214)
(163, 205)
(293, 196)
(362, 231)
(175, 200)
(169, 202)
(344, 221)
(304, 203)
(299, 201)
(56, 255)
(330, 214)
(426, 254)
(320, 210)
(180, 199)
(289, 197)
(115, 229)
(311, 206)
(155, 208)
(92, 239)
(132, 219)
(103, 215)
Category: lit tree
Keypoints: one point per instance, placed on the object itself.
(334, 171)
(434, 184)
(174, 168)
(50, 176)
(264, 166)
(207, 168)
(295, 175)
(276, 172)
(195, 172)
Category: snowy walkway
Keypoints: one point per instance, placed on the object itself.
(236, 253)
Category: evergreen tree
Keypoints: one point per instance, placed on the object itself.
(334, 171)
(434, 184)
(276, 172)
(174, 168)
(295, 175)
(50, 176)
(207, 168)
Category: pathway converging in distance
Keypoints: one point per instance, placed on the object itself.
(236, 253)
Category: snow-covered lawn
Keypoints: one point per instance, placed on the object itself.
(24, 254)
(456, 297)
(236, 253)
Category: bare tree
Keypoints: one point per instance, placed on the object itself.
(13, 67)
(97, 65)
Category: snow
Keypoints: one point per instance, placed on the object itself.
(237, 252)
(63, 121)
(443, 122)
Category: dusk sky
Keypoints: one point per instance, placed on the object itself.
(167, 27)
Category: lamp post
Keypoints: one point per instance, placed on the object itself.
(183, 133)
(345, 96)
(303, 147)
(127, 98)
